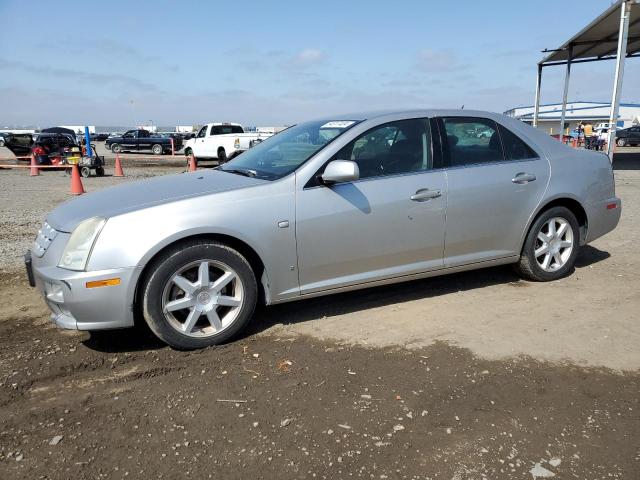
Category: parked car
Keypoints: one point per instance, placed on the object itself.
(628, 136)
(222, 141)
(18, 143)
(322, 207)
(139, 140)
(98, 137)
(50, 147)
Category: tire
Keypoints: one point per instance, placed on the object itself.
(188, 327)
(621, 142)
(187, 152)
(222, 156)
(561, 259)
(100, 171)
(1, 143)
(157, 149)
(116, 148)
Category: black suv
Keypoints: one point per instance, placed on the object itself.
(628, 136)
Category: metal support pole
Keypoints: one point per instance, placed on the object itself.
(623, 33)
(566, 92)
(536, 108)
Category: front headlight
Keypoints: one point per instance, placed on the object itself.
(76, 254)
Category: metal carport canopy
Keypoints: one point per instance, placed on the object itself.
(614, 35)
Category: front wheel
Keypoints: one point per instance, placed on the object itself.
(621, 142)
(199, 294)
(157, 149)
(85, 172)
(116, 148)
(551, 246)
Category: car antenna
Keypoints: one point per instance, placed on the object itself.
(462, 107)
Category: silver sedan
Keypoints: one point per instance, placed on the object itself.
(325, 206)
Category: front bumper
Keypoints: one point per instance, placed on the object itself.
(72, 304)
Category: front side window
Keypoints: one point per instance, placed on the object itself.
(283, 153)
(393, 148)
(202, 132)
(471, 140)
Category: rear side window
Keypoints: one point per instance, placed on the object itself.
(514, 146)
(471, 140)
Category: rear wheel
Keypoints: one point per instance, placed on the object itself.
(621, 142)
(116, 148)
(100, 171)
(222, 156)
(551, 246)
(157, 149)
(199, 294)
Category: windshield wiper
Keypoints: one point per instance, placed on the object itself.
(241, 171)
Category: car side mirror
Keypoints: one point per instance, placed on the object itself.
(340, 171)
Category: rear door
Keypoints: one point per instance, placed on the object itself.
(144, 140)
(496, 181)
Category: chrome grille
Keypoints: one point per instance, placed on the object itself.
(45, 236)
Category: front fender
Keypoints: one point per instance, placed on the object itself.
(249, 215)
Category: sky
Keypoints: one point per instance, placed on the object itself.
(280, 62)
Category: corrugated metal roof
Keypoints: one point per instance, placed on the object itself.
(599, 39)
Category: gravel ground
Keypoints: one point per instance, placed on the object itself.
(471, 376)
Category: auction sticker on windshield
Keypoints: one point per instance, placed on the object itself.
(338, 124)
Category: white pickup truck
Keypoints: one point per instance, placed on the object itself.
(222, 141)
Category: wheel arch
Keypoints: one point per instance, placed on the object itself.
(246, 250)
(567, 201)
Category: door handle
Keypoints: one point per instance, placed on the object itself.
(425, 194)
(523, 178)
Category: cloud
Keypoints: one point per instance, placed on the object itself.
(308, 57)
(92, 78)
(437, 61)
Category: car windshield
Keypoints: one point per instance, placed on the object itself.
(283, 153)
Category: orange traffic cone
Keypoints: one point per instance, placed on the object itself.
(76, 183)
(193, 163)
(34, 170)
(118, 171)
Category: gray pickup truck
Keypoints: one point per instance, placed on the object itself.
(139, 140)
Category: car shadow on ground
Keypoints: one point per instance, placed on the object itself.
(626, 161)
(349, 302)
(141, 338)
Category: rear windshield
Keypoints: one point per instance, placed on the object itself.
(225, 129)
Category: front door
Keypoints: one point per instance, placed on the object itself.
(130, 141)
(496, 182)
(389, 223)
(199, 143)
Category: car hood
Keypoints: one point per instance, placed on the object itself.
(133, 196)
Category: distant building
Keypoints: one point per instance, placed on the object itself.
(585, 112)
(184, 129)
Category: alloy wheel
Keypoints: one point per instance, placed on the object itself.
(554, 244)
(203, 298)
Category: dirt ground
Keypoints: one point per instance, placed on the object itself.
(470, 376)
